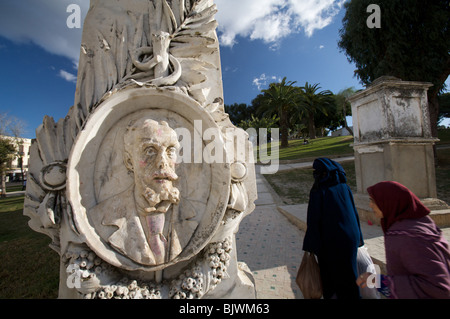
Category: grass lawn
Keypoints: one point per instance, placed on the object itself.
(29, 267)
(443, 175)
(444, 136)
(324, 147)
(293, 186)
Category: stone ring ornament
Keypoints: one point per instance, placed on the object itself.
(53, 176)
(103, 192)
(238, 171)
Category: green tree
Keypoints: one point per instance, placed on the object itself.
(279, 98)
(343, 106)
(412, 44)
(329, 120)
(7, 152)
(239, 112)
(310, 101)
(9, 146)
(444, 106)
(260, 123)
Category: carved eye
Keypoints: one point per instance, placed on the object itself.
(151, 151)
(171, 152)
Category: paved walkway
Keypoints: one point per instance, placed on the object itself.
(271, 246)
(270, 241)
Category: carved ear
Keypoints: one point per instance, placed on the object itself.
(127, 161)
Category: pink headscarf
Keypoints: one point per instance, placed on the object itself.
(396, 202)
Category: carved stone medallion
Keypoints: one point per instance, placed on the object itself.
(103, 191)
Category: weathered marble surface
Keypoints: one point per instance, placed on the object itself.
(392, 134)
(143, 185)
(393, 141)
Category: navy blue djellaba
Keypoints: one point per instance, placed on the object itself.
(333, 230)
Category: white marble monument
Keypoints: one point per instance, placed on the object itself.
(143, 185)
(393, 141)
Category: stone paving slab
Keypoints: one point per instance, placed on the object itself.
(272, 248)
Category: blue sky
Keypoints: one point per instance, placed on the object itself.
(261, 42)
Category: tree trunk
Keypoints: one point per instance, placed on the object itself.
(433, 102)
(284, 129)
(345, 122)
(433, 109)
(3, 194)
(311, 126)
(349, 129)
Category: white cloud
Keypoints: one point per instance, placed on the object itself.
(272, 20)
(69, 77)
(263, 81)
(238, 17)
(43, 23)
(312, 15)
(271, 29)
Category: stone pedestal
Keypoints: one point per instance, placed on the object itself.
(142, 186)
(393, 141)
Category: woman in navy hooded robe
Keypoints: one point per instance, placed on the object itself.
(333, 230)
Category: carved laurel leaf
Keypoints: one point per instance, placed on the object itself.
(193, 35)
(194, 38)
(200, 16)
(194, 71)
(183, 46)
(198, 20)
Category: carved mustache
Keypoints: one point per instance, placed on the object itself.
(165, 174)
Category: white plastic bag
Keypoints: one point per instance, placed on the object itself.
(365, 264)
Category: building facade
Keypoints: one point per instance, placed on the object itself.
(19, 164)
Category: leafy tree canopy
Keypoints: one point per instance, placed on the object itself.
(413, 42)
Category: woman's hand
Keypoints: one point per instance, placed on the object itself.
(362, 279)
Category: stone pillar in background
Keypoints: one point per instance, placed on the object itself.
(393, 141)
(143, 185)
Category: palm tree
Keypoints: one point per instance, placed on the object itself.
(280, 98)
(310, 102)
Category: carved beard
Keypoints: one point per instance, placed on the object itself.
(159, 202)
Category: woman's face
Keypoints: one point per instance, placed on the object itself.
(375, 208)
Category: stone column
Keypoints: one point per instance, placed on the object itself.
(142, 186)
(393, 140)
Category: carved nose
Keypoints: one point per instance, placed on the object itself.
(163, 161)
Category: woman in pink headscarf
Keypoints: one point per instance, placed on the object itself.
(417, 255)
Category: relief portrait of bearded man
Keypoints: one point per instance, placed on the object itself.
(145, 222)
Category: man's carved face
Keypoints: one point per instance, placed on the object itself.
(151, 153)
